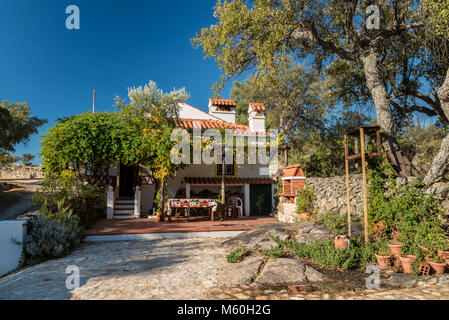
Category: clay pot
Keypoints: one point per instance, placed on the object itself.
(304, 215)
(395, 248)
(443, 254)
(341, 242)
(383, 262)
(439, 268)
(158, 216)
(407, 261)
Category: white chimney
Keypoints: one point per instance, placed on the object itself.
(256, 113)
(223, 109)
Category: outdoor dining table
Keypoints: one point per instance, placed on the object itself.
(177, 204)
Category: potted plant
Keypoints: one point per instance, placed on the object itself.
(383, 259)
(410, 255)
(437, 263)
(395, 247)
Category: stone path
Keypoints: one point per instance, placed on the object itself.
(429, 291)
(166, 269)
(24, 191)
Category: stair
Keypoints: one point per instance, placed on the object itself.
(124, 208)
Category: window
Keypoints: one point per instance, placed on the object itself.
(229, 170)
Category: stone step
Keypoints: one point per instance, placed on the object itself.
(125, 216)
(124, 206)
(120, 201)
(123, 211)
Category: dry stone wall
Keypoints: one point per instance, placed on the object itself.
(20, 171)
(330, 196)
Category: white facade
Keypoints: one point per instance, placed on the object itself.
(12, 234)
(178, 183)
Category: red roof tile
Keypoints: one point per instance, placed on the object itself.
(258, 107)
(204, 124)
(222, 102)
(199, 180)
(293, 171)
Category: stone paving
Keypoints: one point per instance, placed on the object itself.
(166, 269)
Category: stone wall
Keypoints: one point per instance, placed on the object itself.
(331, 194)
(20, 171)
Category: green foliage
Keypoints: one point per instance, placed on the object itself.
(334, 222)
(53, 234)
(16, 124)
(87, 201)
(304, 200)
(27, 158)
(438, 12)
(274, 252)
(325, 254)
(237, 255)
(7, 159)
(406, 209)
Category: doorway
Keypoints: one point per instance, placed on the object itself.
(260, 199)
(127, 180)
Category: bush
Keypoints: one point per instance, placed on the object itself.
(325, 254)
(53, 234)
(304, 200)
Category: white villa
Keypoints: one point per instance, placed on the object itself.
(134, 193)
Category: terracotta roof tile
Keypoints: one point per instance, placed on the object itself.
(222, 102)
(214, 124)
(258, 107)
(229, 181)
(293, 171)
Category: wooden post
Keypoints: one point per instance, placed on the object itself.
(365, 205)
(348, 199)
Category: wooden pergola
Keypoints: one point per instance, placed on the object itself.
(370, 131)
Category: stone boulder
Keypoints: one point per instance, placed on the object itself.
(258, 238)
(241, 273)
(286, 271)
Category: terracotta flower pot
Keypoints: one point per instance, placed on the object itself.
(304, 215)
(341, 242)
(443, 254)
(439, 268)
(395, 248)
(383, 262)
(407, 261)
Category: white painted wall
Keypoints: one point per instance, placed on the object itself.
(228, 116)
(190, 112)
(12, 234)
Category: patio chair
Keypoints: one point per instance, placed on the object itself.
(238, 204)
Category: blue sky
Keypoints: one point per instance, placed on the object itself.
(121, 43)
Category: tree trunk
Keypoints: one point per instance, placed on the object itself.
(161, 199)
(384, 117)
(440, 163)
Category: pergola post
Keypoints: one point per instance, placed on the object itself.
(365, 203)
(348, 197)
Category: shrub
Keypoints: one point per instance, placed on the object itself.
(304, 200)
(334, 222)
(274, 252)
(53, 234)
(325, 254)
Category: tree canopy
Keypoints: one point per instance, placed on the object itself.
(387, 67)
(16, 125)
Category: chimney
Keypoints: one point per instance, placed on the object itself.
(223, 109)
(256, 113)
